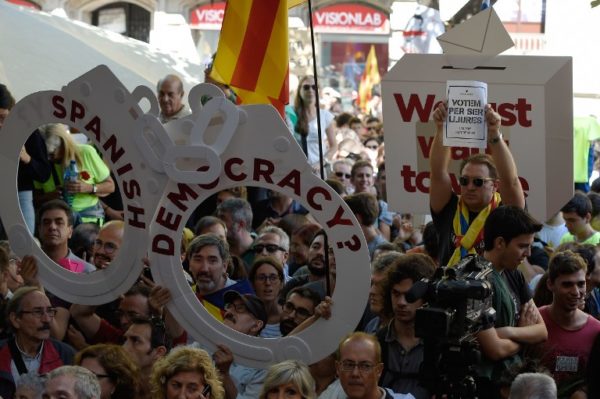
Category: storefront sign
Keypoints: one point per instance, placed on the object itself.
(164, 173)
(533, 95)
(208, 16)
(350, 18)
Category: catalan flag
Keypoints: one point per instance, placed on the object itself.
(252, 56)
(370, 78)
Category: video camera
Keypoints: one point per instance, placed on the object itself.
(458, 304)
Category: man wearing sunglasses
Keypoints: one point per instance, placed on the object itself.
(485, 183)
(273, 241)
(30, 316)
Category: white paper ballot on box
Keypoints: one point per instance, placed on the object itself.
(465, 124)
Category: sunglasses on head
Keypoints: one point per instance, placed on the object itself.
(477, 181)
(308, 87)
(342, 174)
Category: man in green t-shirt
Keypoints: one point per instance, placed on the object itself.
(578, 215)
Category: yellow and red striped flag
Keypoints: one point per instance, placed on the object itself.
(370, 78)
(252, 56)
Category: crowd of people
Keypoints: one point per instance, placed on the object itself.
(261, 264)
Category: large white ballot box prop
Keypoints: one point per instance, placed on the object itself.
(534, 97)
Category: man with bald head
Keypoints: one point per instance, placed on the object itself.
(108, 242)
(170, 98)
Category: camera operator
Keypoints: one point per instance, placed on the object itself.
(508, 235)
(402, 352)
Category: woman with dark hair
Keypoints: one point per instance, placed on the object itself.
(266, 276)
(118, 375)
(305, 107)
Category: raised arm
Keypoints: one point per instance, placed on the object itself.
(440, 189)
(86, 318)
(509, 185)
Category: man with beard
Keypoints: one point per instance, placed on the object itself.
(299, 305)
(208, 257)
(316, 267)
(245, 314)
(107, 244)
(30, 315)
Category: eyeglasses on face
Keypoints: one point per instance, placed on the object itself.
(40, 312)
(301, 313)
(363, 367)
(108, 247)
(308, 87)
(238, 307)
(264, 277)
(343, 175)
(477, 181)
(271, 248)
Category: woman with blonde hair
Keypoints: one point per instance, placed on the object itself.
(118, 375)
(93, 180)
(305, 107)
(290, 379)
(186, 372)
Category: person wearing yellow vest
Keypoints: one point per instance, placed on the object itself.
(93, 181)
(486, 181)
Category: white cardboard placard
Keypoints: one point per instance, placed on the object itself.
(465, 124)
(533, 95)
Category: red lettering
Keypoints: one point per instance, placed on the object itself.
(408, 174)
(184, 191)
(207, 186)
(61, 111)
(132, 189)
(291, 180)
(508, 117)
(338, 220)
(522, 108)
(457, 153)
(136, 212)
(507, 112)
(266, 173)
(93, 126)
(312, 193)
(167, 249)
(229, 169)
(414, 181)
(414, 104)
(115, 154)
(425, 145)
(77, 111)
(166, 219)
(124, 169)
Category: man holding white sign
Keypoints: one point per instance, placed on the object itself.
(485, 182)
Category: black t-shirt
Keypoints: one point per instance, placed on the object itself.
(443, 222)
(519, 289)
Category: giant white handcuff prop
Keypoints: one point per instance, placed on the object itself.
(164, 172)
